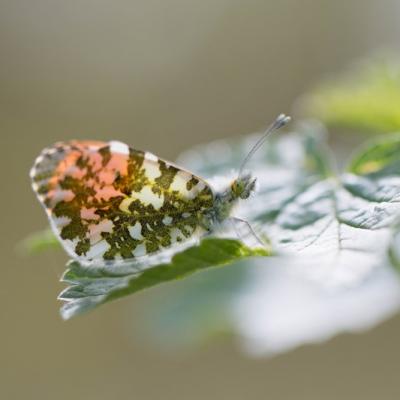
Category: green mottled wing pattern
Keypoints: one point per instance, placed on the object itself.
(107, 201)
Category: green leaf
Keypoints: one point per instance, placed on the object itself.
(336, 229)
(92, 286)
(341, 227)
(365, 98)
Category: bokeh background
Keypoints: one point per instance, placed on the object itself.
(162, 75)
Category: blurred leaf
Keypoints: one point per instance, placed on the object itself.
(92, 286)
(365, 98)
(381, 157)
(39, 241)
(186, 313)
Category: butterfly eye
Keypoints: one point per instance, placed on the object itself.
(237, 188)
(234, 187)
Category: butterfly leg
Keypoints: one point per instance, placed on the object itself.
(235, 221)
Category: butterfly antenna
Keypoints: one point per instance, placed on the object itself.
(280, 121)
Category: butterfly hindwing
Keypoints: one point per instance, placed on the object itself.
(107, 201)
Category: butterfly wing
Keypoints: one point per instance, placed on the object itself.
(107, 201)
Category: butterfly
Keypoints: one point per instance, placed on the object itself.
(108, 202)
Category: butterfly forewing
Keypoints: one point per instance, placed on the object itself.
(107, 201)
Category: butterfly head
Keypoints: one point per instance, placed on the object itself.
(243, 186)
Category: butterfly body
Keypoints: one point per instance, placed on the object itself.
(107, 201)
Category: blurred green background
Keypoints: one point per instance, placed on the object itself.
(162, 76)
